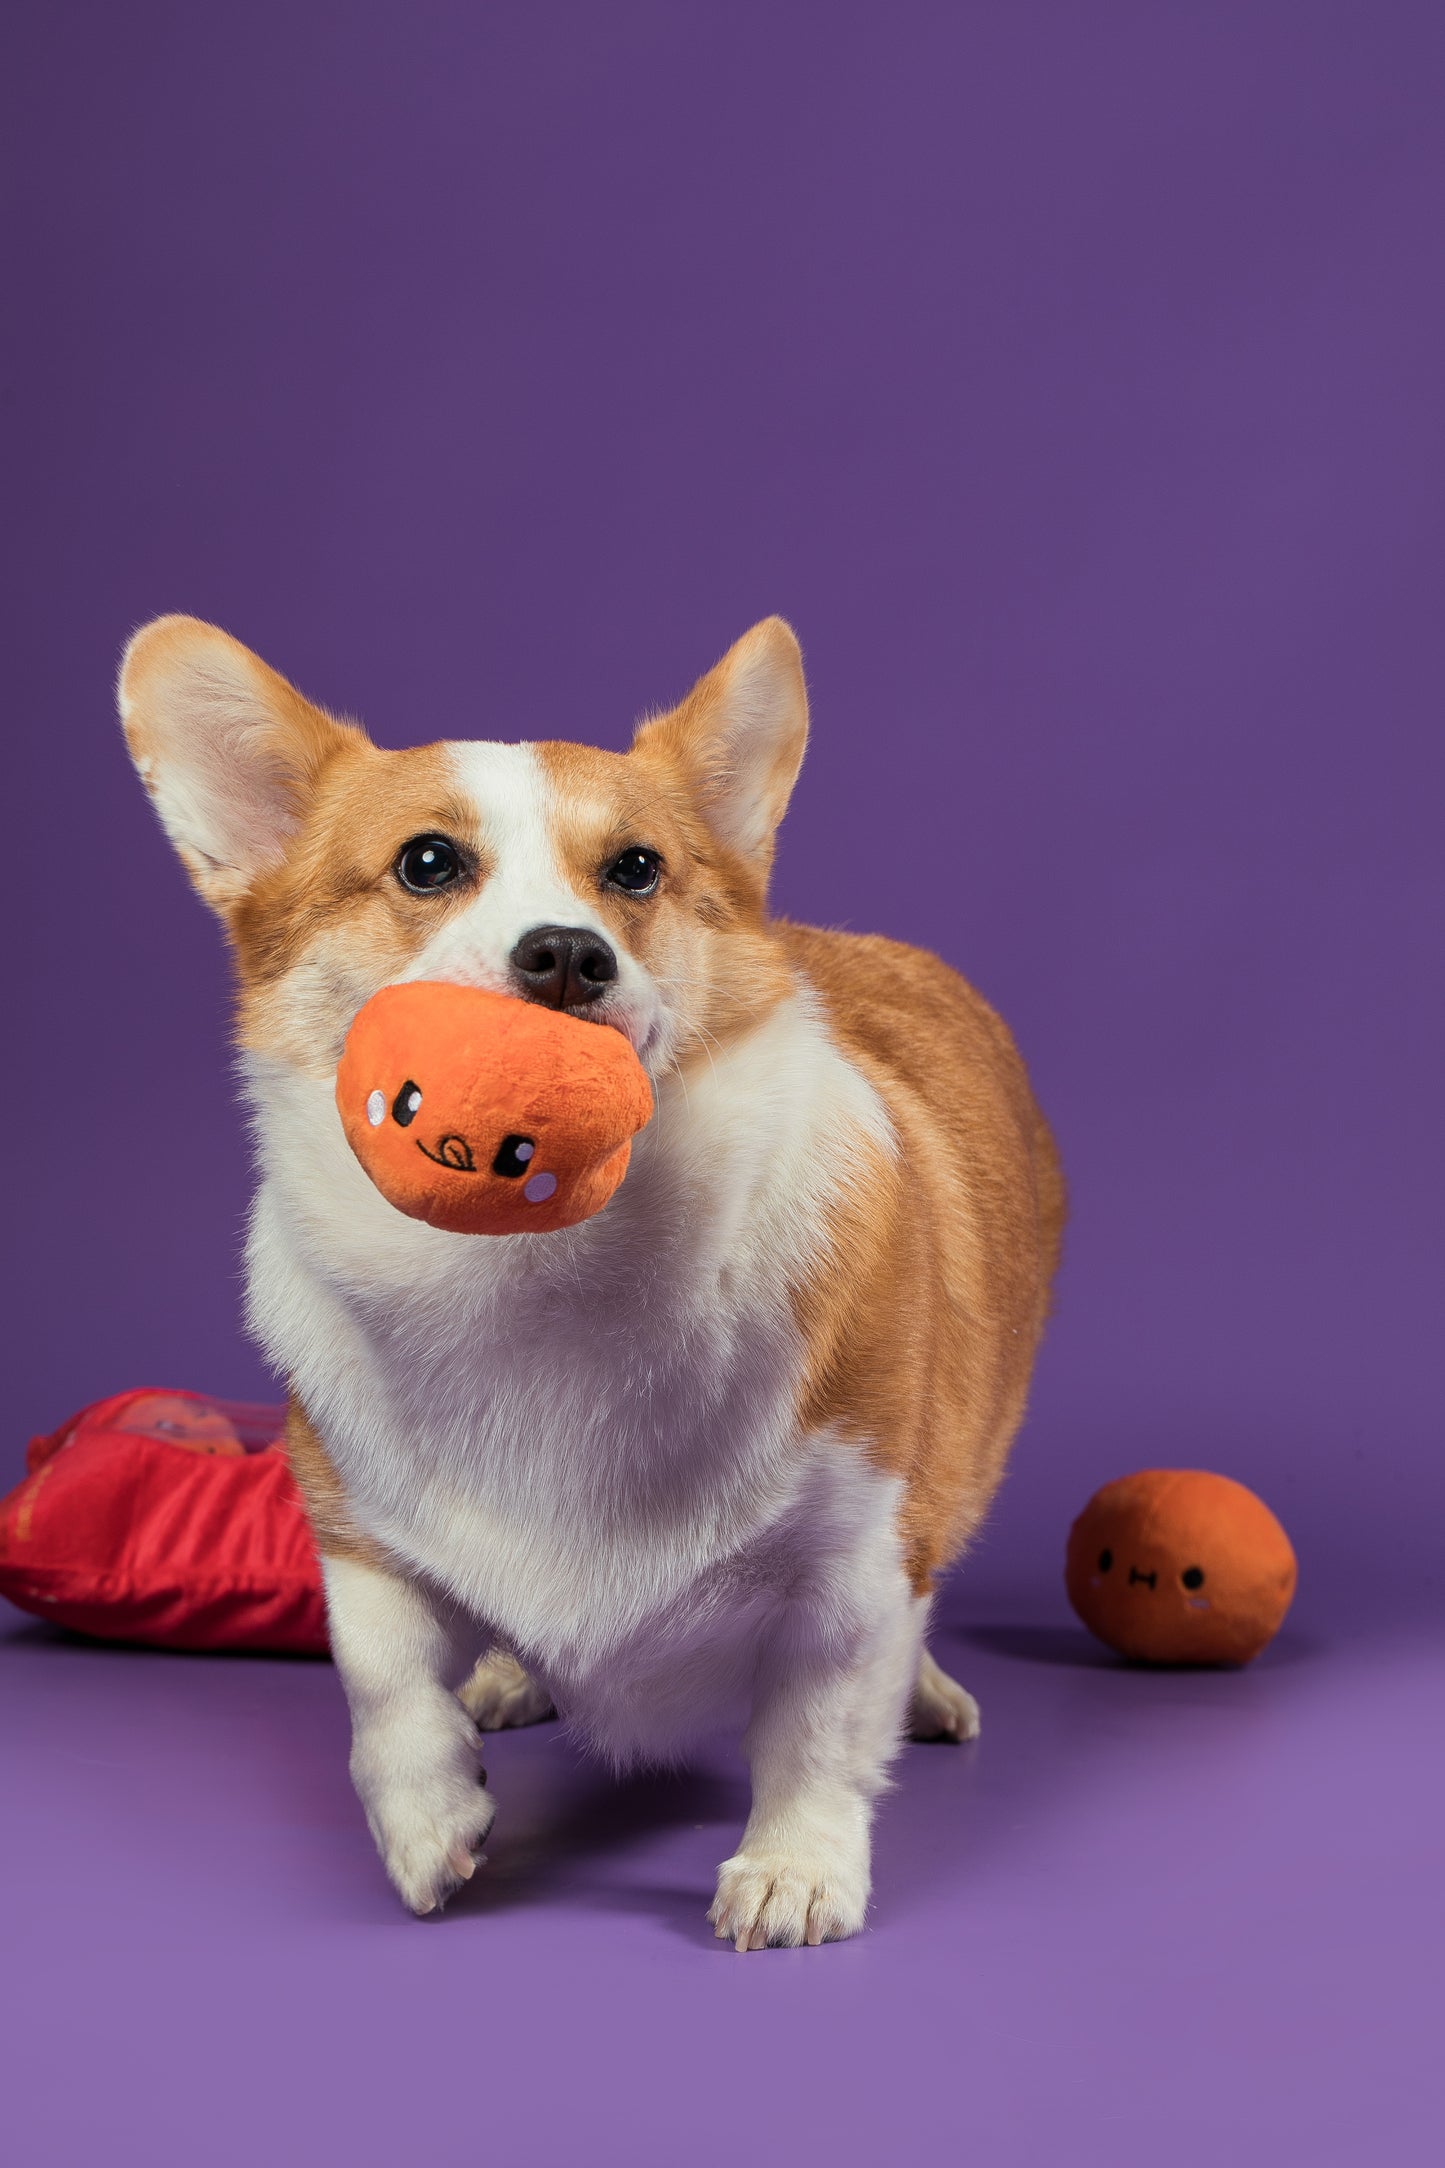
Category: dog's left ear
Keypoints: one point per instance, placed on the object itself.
(738, 738)
(229, 752)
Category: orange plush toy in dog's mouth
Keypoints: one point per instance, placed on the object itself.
(487, 1115)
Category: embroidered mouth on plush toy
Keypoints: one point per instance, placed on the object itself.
(484, 1114)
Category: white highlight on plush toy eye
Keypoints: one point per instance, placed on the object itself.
(376, 1109)
(540, 1188)
(413, 1102)
(525, 1151)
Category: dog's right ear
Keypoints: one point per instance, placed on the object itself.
(229, 752)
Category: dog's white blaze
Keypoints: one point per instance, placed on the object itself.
(525, 887)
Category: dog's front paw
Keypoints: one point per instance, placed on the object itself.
(428, 1812)
(500, 1694)
(786, 1897)
(431, 1846)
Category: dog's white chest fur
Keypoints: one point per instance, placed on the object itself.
(588, 1438)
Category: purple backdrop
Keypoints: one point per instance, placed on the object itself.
(1070, 376)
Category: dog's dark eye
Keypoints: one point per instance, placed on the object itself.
(1106, 1560)
(428, 863)
(1193, 1577)
(636, 871)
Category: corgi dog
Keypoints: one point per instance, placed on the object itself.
(701, 1459)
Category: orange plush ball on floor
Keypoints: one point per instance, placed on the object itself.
(484, 1114)
(1177, 1566)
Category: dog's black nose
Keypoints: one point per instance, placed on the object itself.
(563, 966)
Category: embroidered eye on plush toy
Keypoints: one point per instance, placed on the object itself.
(484, 1114)
(1177, 1566)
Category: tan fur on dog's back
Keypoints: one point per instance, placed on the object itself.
(923, 1324)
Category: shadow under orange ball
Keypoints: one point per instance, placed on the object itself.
(1179, 1566)
(484, 1114)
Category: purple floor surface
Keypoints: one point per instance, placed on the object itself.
(1190, 1915)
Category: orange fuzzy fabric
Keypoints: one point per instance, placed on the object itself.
(1177, 1566)
(487, 1115)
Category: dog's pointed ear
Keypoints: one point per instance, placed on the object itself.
(229, 752)
(738, 738)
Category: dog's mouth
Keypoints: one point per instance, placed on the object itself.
(640, 1023)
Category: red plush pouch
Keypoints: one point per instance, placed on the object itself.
(169, 1518)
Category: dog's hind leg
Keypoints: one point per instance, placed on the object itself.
(500, 1694)
(940, 1708)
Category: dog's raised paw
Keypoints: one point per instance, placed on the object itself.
(431, 1849)
(426, 1803)
(780, 1900)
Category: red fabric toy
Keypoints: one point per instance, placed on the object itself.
(169, 1518)
(484, 1114)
